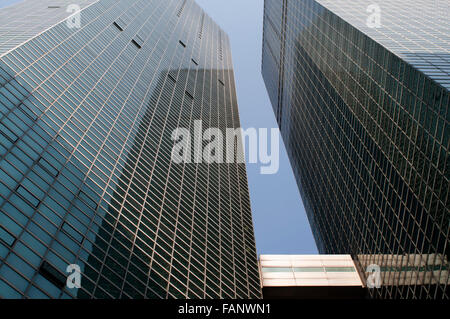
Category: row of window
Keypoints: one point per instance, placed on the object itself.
(308, 269)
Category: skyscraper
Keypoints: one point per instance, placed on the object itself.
(361, 95)
(89, 101)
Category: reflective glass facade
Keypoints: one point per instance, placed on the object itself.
(364, 114)
(86, 177)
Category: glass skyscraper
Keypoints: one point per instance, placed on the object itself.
(88, 104)
(361, 95)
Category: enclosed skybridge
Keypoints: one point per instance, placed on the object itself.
(310, 277)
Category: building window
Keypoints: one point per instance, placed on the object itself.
(276, 269)
(120, 24)
(180, 11)
(6, 237)
(340, 269)
(136, 43)
(28, 196)
(171, 77)
(182, 43)
(189, 94)
(308, 269)
(69, 230)
(52, 274)
(117, 26)
(139, 41)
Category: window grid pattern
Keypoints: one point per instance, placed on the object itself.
(367, 135)
(416, 31)
(86, 121)
(24, 20)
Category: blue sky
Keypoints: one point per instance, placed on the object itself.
(4, 3)
(281, 225)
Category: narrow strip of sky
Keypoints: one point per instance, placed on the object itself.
(281, 225)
